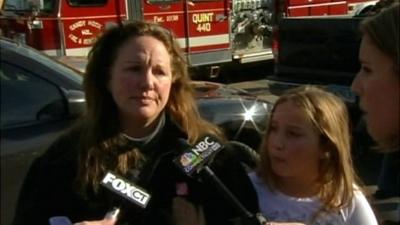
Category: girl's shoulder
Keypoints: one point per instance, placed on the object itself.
(359, 211)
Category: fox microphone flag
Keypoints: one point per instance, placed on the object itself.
(126, 189)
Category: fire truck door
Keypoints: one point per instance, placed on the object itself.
(170, 14)
(201, 27)
(81, 21)
(208, 31)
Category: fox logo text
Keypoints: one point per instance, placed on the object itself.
(126, 189)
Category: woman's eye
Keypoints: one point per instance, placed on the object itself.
(159, 72)
(133, 68)
(366, 69)
(293, 134)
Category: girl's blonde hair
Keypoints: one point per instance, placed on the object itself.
(329, 117)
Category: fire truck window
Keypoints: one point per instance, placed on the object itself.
(79, 3)
(29, 5)
(162, 1)
(48, 5)
(27, 99)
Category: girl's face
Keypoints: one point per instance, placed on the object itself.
(293, 144)
(141, 80)
(378, 87)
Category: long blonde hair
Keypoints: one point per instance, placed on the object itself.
(329, 117)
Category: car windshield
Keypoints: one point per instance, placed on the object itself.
(210, 89)
(29, 5)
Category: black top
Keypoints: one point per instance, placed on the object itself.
(49, 189)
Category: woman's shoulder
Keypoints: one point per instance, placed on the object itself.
(64, 148)
(54, 164)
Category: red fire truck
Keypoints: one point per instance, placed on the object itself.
(298, 8)
(210, 31)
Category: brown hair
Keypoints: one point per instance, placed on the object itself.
(383, 29)
(101, 129)
(329, 117)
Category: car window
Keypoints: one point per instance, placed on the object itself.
(54, 65)
(41, 58)
(27, 99)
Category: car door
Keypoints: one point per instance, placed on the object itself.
(33, 113)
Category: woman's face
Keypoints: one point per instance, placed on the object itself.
(378, 87)
(141, 80)
(293, 144)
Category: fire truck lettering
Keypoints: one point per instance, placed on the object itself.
(94, 24)
(89, 41)
(202, 18)
(77, 24)
(86, 32)
(158, 19)
(172, 18)
(203, 27)
(73, 38)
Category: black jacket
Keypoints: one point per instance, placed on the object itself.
(49, 189)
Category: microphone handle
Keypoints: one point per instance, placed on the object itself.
(60, 220)
(226, 192)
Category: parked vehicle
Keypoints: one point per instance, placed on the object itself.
(319, 49)
(307, 8)
(211, 32)
(243, 116)
(41, 97)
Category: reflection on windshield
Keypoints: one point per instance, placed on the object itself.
(29, 5)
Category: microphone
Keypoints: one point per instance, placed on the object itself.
(195, 160)
(125, 189)
(120, 186)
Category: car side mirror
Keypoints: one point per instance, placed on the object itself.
(76, 102)
(53, 110)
